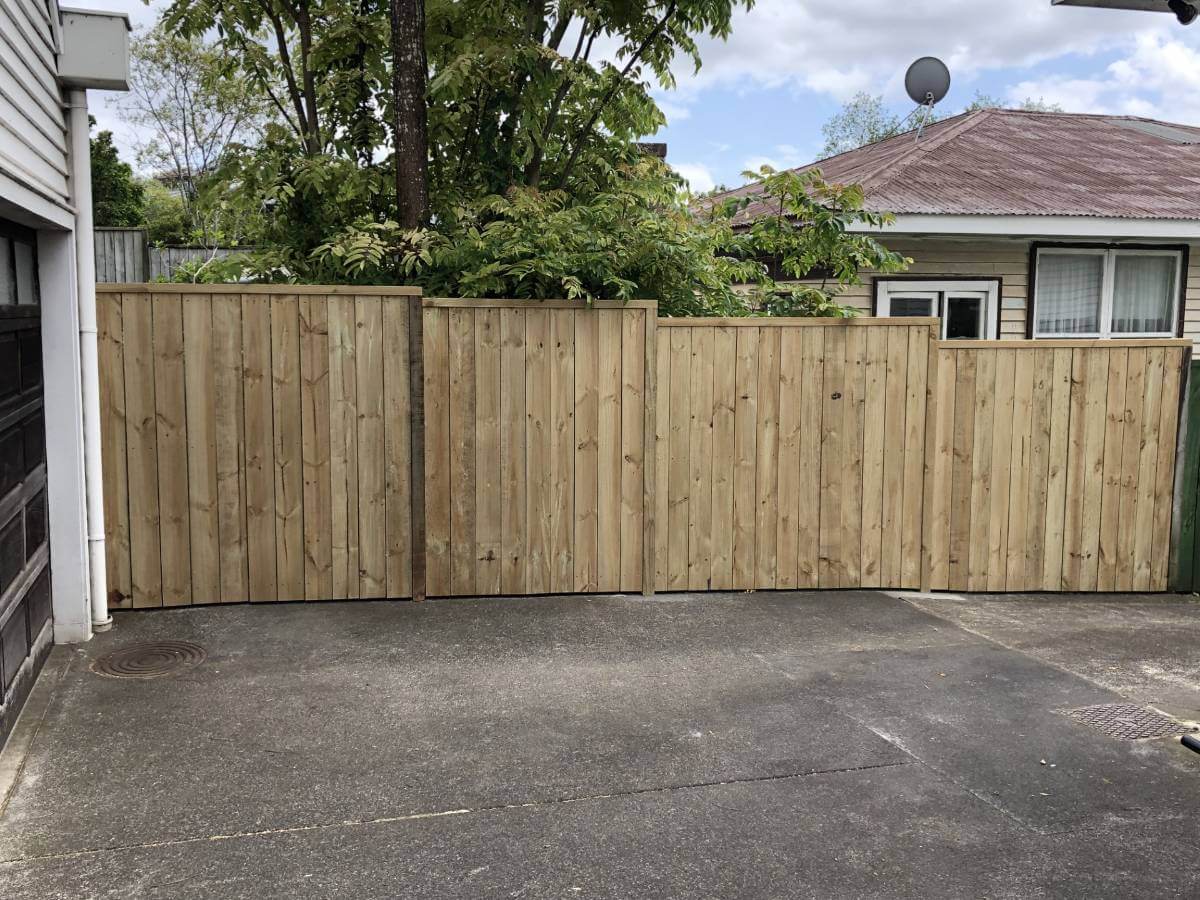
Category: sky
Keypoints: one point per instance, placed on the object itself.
(762, 95)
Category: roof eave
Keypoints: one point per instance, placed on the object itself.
(1093, 227)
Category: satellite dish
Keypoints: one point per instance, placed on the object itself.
(927, 81)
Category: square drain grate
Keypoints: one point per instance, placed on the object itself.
(1127, 721)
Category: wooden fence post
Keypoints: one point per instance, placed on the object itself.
(931, 413)
(416, 450)
(1186, 497)
(649, 452)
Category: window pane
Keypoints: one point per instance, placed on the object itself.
(1068, 293)
(964, 317)
(1143, 294)
(8, 286)
(26, 274)
(905, 307)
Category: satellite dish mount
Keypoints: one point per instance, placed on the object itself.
(927, 82)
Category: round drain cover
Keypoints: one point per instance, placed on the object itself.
(150, 660)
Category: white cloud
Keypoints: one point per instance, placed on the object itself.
(697, 175)
(1159, 78)
(839, 48)
(782, 156)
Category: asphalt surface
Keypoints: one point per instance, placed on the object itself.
(846, 744)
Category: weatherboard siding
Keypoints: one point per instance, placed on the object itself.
(33, 135)
(1007, 260)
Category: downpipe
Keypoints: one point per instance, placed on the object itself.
(85, 286)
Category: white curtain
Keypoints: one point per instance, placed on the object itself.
(1068, 292)
(1143, 294)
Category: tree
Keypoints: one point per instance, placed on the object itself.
(194, 109)
(987, 101)
(863, 120)
(117, 197)
(409, 76)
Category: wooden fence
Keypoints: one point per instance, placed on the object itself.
(257, 445)
(534, 437)
(125, 255)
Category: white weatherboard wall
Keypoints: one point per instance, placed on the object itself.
(33, 137)
(1007, 259)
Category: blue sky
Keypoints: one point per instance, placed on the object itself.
(761, 96)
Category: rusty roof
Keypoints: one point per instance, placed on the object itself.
(1003, 162)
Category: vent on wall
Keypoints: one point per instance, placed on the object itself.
(1165, 132)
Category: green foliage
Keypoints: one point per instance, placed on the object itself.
(117, 197)
(807, 237)
(164, 215)
(538, 189)
(987, 101)
(863, 120)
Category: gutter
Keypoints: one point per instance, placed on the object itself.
(85, 288)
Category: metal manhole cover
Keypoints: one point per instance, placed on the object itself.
(150, 660)
(1127, 721)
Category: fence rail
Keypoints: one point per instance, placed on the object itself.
(258, 443)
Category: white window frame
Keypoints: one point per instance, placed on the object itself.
(1107, 288)
(989, 289)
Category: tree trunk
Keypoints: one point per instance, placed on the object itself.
(409, 74)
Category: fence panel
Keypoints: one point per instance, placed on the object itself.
(1053, 465)
(534, 430)
(790, 452)
(255, 443)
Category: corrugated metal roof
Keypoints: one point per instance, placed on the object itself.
(1013, 162)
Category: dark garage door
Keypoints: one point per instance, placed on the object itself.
(24, 552)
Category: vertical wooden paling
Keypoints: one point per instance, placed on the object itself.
(230, 438)
(1114, 446)
(917, 441)
(314, 452)
(537, 471)
(1002, 471)
(372, 465)
(746, 452)
(513, 493)
(436, 324)
(724, 404)
(791, 510)
(562, 448)
(171, 416)
(461, 364)
(398, 436)
(661, 459)
(288, 473)
(833, 450)
(1164, 479)
(343, 447)
(1093, 477)
(982, 468)
(808, 530)
(854, 427)
(607, 509)
(1143, 547)
(650, 485)
(700, 444)
(1020, 470)
(896, 452)
(960, 498)
(588, 358)
(678, 514)
(416, 446)
(200, 389)
(939, 451)
(1072, 534)
(1041, 422)
(876, 398)
(142, 451)
(634, 480)
(1130, 462)
(113, 428)
(488, 495)
(1058, 470)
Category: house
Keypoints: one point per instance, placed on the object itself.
(51, 514)
(1028, 225)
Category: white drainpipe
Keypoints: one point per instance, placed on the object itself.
(85, 277)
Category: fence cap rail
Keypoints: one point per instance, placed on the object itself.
(794, 321)
(1049, 344)
(476, 303)
(282, 290)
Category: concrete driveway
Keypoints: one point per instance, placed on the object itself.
(751, 745)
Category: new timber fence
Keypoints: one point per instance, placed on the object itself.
(287, 443)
